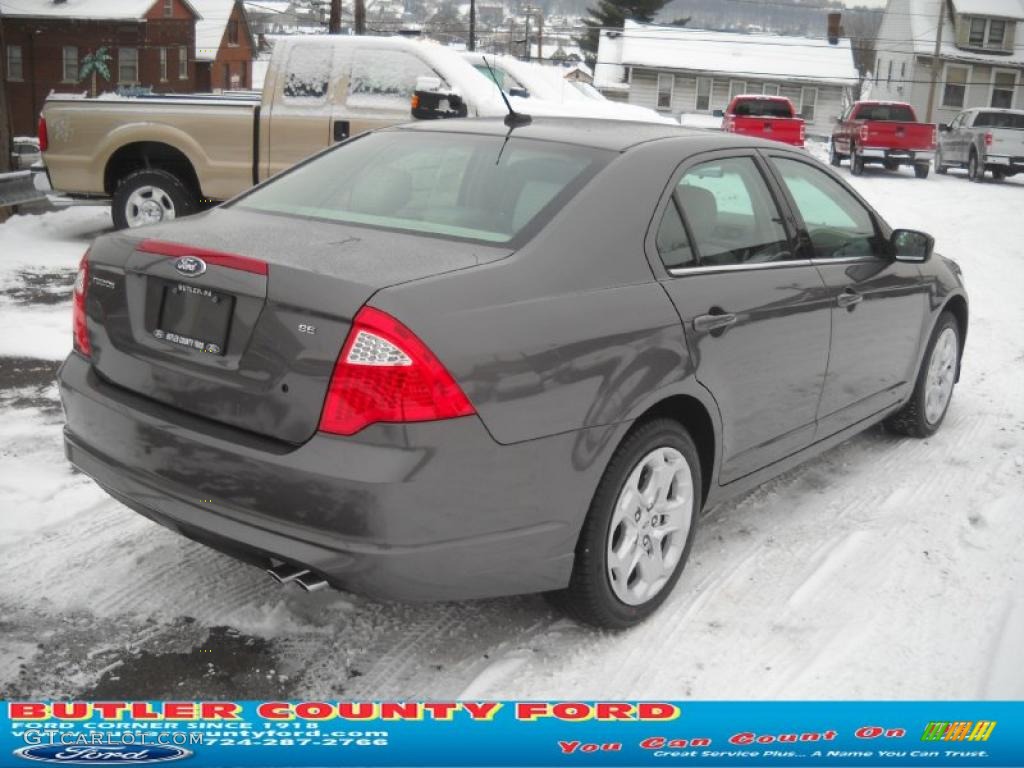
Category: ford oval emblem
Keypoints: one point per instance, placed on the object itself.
(97, 755)
(190, 266)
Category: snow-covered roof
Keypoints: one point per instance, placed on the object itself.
(769, 57)
(1008, 9)
(923, 18)
(78, 9)
(210, 28)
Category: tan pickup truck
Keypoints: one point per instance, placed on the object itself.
(163, 157)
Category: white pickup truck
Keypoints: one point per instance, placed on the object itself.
(163, 157)
(983, 140)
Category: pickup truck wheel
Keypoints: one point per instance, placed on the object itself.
(856, 163)
(921, 170)
(150, 197)
(834, 158)
(975, 170)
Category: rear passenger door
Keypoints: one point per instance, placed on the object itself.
(756, 314)
(879, 305)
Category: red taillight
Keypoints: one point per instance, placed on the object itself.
(863, 134)
(803, 134)
(988, 139)
(81, 330)
(42, 135)
(385, 373)
(935, 138)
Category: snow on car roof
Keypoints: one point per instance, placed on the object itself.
(78, 9)
(729, 53)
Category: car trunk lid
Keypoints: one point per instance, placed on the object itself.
(239, 317)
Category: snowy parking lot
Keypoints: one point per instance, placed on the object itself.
(886, 568)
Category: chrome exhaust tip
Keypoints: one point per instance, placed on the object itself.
(285, 573)
(311, 582)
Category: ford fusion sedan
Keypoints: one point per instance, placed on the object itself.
(457, 360)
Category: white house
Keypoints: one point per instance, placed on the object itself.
(981, 62)
(679, 71)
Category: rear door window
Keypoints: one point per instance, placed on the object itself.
(731, 213)
(383, 79)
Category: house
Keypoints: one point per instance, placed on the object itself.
(681, 71)
(225, 47)
(150, 43)
(980, 62)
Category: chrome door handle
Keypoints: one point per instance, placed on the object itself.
(849, 298)
(713, 322)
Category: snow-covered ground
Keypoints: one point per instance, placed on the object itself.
(885, 568)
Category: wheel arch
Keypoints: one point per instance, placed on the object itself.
(957, 306)
(695, 416)
(146, 155)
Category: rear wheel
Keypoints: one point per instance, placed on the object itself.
(921, 170)
(856, 163)
(975, 170)
(834, 158)
(924, 412)
(150, 197)
(939, 167)
(638, 531)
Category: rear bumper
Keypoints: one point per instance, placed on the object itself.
(431, 511)
(906, 156)
(1005, 161)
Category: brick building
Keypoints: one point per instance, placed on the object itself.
(151, 44)
(224, 46)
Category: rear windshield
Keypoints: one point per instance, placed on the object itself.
(887, 113)
(762, 108)
(457, 185)
(999, 120)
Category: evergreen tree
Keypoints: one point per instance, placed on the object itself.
(613, 13)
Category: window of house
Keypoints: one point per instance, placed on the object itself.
(163, 64)
(233, 32)
(1003, 86)
(128, 65)
(977, 35)
(771, 89)
(996, 33)
(838, 224)
(69, 64)
(703, 94)
(903, 71)
(808, 103)
(736, 88)
(15, 65)
(168, 8)
(383, 79)
(665, 84)
(183, 62)
(954, 90)
(731, 213)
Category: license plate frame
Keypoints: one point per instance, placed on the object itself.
(194, 317)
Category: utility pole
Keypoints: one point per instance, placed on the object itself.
(359, 16)
(936, 64)
(472, 25)
(526, 48)
(334, 27)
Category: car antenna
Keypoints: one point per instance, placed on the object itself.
(513, 119)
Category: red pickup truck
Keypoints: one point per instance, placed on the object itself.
(885, 132)
(768, 117)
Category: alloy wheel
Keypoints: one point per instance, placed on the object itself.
(941, 376)
(148, 205)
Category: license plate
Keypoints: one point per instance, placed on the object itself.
(195, 317)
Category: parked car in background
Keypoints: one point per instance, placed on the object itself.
(162, 157)
(24, 152)
(983, 140)
(883, 132)
(767, 117)
(372, 373)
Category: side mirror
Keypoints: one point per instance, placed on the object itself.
(911, 245)
(945, 127)
(718, 113)
(432, 101)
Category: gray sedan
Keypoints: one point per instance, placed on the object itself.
(456, 360)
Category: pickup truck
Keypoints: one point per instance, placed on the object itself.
(885, 132)
(162, 157)
(983, 140)
(768, 117)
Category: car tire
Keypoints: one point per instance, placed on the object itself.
(923, 414)
(939, 167)
(921, 170)
(834, 158)
(856, 163)
(975, 170)
(654, 453)
(151, 197)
